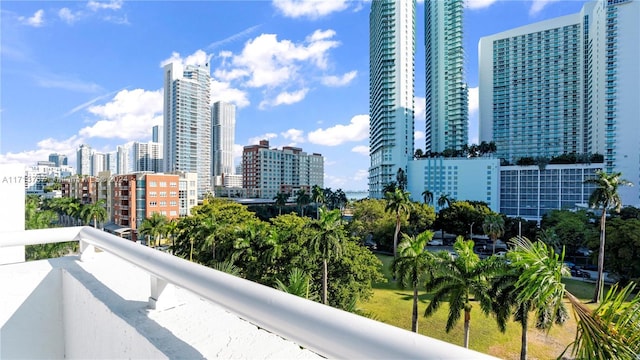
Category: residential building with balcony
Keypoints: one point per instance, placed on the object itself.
(266, 172)
(568, 84)
(137, 196)
(446, 92)
(392, 43)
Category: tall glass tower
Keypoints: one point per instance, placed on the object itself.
(392, 43)
(187, 121)
(223, 119)
(446, 92)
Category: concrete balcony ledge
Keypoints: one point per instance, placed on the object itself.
(129, 301)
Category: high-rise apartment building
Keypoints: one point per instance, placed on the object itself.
(146, 156)
(187, 121)
(123, 160)
(446, 92)
(564, 85)
(392, 29)
(157, 133)
(83, 160)
(58, 159)
(266, 172)
(223, 121)
(98, 163)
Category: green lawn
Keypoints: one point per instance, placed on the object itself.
(393, 306)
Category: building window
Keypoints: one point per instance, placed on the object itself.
(153, 203)
(163, 184)
(152, 184)
(163, 194)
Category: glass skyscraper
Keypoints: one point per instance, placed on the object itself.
(391, 90)
(187, 121)
(446, 93)
(223, 118)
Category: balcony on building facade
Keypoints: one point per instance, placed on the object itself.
(120, 299)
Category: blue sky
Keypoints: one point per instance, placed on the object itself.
(90, 71)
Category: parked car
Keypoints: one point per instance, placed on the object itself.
(583, 251)
(576, 271)
(435, 242)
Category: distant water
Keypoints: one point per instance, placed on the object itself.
(356, 195)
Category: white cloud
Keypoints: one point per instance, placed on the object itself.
(418, 135)
(256, 139)
(312, 9)
(269, 62)
(44, 149)
(129, 115)
(478, 4)
(222, 91)
(361, 149)
(343, 80)
(356, 181)
(538, 5)
(419, 108)
(295, 135)
(200, 57)
(361, 175)
(67, 15)
(237, 153)
(285, 98)
(100, 5)
(474, 102)
(37, 20)
(90, 102)
(356, 130)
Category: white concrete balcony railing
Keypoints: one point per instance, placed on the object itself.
(131, 301)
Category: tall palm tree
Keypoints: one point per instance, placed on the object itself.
(411, 265)
(548, 309)
(399, 204)
(493, 226)
(281, 201)
(302, 200)
(326, 241)
(445, 199)
(207, 231)
(153, 226)
(171, 230)
(611, 331)
(605, 196)
(95, 211)
(317, 195)
(427, 196)
(457, 279)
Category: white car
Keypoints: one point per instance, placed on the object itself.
(435, 242)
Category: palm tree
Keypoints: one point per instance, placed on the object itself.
(317, 195)
(281, 201)
(153, 226)
(458, 278)
(427, 196)
(171, 230)
(207, 231)
(493, 226)
(549, 309)
(302, 200)
(611, 331)
(444, 199)
(606, 196)
(327, 241)
(411, 266)
(95, 211)
(298, 285)
(399, 204)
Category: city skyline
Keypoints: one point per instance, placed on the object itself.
(297, 72)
